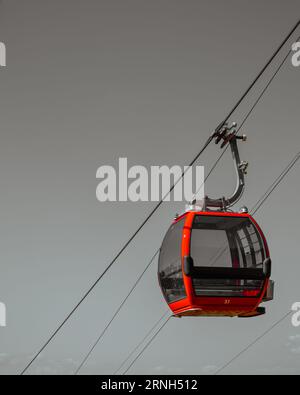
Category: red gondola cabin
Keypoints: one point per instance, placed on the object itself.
(215, 264)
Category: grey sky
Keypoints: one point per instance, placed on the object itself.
(90, 81)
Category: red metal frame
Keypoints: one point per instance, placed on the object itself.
(214, 306)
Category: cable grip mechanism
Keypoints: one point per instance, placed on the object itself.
(226, 134)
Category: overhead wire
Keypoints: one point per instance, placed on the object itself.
(116, 313)
(252, 343)
(275, 184)
(147, 345)
(140, 343)
(247, 116)
(262, 71)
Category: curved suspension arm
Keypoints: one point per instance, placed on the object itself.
(241, 167)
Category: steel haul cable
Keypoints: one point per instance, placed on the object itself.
(253, 343)
(116, 313)
(275, 184)
(147, 345)
(250, 112)
(141, 342)
(262, 71)
(87, 293)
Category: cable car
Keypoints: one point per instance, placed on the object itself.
(214, 262)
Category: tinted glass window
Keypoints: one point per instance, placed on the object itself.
(170, 265)
(231, 242)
